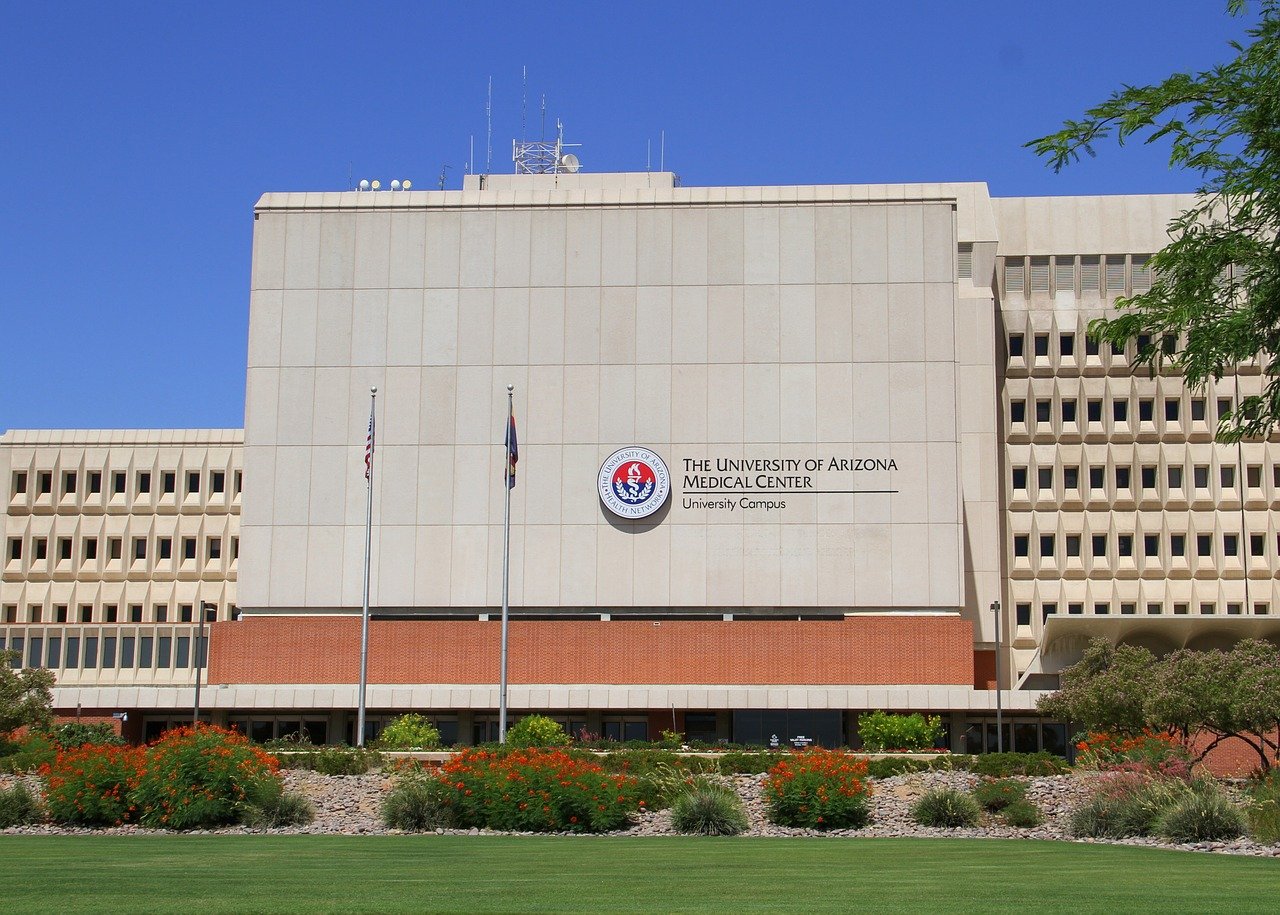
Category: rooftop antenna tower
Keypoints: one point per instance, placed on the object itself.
(524, 99)
(443, 169)
(545, 157)
(488, 116)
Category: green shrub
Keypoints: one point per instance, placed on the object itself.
(1097, 818)
(93, 786)
(708, 810)
(1207, 816)
(737, 762)
(18, 807)
(275, 807)
(415, 805)
(887, 768)
(1022, 814)
(882, 731)
(947, 808)
(997, 794)
(75, 734)
(1264, 809)
(409, 732)
(1002, 765)
(334, 760)
(196, 779)
(1139, 810)
(537, 731)
(818, 789)
(32, 752)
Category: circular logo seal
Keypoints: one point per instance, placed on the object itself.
(634, 483)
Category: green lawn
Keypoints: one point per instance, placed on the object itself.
(203, 874)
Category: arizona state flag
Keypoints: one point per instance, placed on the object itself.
(513, 452)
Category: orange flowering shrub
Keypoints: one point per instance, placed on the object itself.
(535, 790)
(818, 789)
(1152, 752)
(198, 778)
(92, 785)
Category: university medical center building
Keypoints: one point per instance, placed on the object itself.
(781, 449)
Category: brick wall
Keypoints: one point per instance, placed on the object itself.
(860, 650)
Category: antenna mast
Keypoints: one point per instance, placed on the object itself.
(488, 116)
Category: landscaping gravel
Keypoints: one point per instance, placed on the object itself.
(348, 805)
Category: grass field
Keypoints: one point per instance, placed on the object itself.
(203, 874)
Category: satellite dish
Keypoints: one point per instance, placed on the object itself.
(376, 184)
(395, 184)
(569, 163)
(406, 184)
(364, 184)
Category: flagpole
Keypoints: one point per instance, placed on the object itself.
(506, 565)
(368, 543)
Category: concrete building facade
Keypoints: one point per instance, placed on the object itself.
(877, 409)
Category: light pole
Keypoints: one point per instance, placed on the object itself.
(205, 606)
(995, 608)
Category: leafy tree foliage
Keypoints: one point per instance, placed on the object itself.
(25, 698)
(1223, 694)
(1214, 301)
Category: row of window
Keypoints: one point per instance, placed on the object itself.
(92, 480)
(108, 652)
(1151, 545)
(1067, 346)
(1022, 611)
(64, 549)
(1147, 477)
(1068, 412)
(108, 613)
(1112, 274)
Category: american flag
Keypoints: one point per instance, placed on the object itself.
(368, 450)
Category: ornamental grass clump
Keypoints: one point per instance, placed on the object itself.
(1022, 814)
(946, 808)
(818, 789)
(205, 777)
(93, 785)
(275, 807)
(536, 790)
(1264, 810)
(416, 804)
(18, 807)
(709, 810)
(1204, 816)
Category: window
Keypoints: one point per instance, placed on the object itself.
(165, 546)
(1015, 346)
(217, 481)
(1180, 609)
(1204, 544)
(1178, 544)
(1206, 609)
(139, 548)
(1144, 343)
(193, 482)
(135, 613)
(1175, 477)
(73, 651)
(1096, 478)
(1099, 545)
(188, 547)
(1042, 345)
(1075, 609)
(162, 613)
(144, 482)
(1146, 410)
(1101, 609)
(64, 549)
(1018, 411)
(1127, 609)
(182, 653)
(1149, 477)
(1090, 346)
(1048, 610)
(1120, 410)
(1257, 545)
(15, 548)
(215, 548)
(117, 483)
(1169, 344)
(1095, 411)
(235, 548)
(184, 613)
(1171, 408)
(1197, 409)
(1261, 609)
(60, 613)
(1124, 545)
(1023, 614)
(1154, 609)
(1201, 476)
(108, 651)
(114, 546)
(1122, 477)
(69, 483)
(1151, 545)
(127, 644)
(42, 548)
(1234, 609)
(95, 482)
(1067, 344)
(1228, 475)
(20, 483)
(111, 613)
(1043, 408)
(1021, 545)
(1224, 407)
(35, 613)
(1230, 544)
(86, 613)
(1069, 411)
(46, 483)
(1019, 482)
(1044, 478)
(1073, 545)
(1253, 476)
(168, 482)
(1046, 546)
(239, 481)
(1070, 477)
(164, 651)
(146, 647)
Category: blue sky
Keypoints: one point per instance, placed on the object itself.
(137, 137)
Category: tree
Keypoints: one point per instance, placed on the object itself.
(25, 698)
(1191, 694)
(1214, 300)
